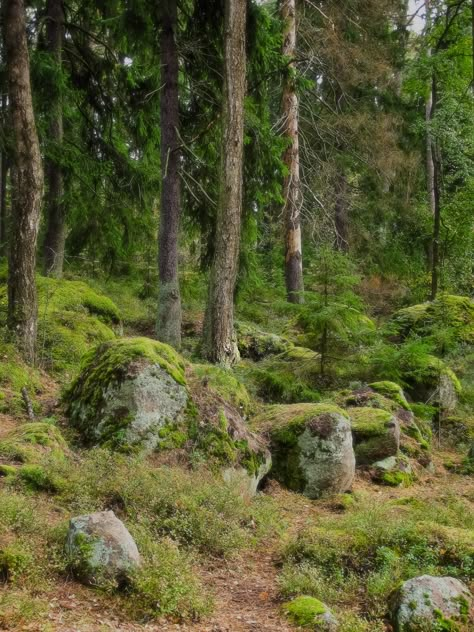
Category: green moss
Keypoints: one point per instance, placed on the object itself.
(71, 319)
(9, 471)
(396, 479)
(256, 344)
(225, 384)
(304, 611)
(37, 478)
(30, 441)
(15, 375)
(392, 391)
(370, 422)
(289, 420)
(455, 313)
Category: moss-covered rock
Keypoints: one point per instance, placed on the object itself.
(394, 471)
(29, 442)
(434, 382)
(432, 603)
(218, 435)
(392, 391)
(311, 447)
(256, 344)
(72, 318)
(455, 313)
(128, 390)
(309, 612)
(376, 434)
(226, 384)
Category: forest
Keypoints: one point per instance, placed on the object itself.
(237, 315)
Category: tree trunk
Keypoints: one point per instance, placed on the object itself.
(27, 184)
(435, 263)
(3, 178)
(291, 183)
(55, 238)
(430, 176)
(169, 301)
(341, 219)
(219, 343)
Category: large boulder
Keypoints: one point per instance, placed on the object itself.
(100, 549)
(127, 393)
(311, 446)
(426, 603)
(376, 434)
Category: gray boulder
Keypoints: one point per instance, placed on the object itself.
(128, 392)
(100, 549)
(423, 602)
(311, 447)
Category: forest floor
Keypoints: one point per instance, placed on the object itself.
(245, 588)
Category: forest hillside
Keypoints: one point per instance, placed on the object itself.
(237, 316)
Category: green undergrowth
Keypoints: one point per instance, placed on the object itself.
(363, 554)
(178, 518)
(28, 442)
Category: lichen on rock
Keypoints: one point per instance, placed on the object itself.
(126, 392)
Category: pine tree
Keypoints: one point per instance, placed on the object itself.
(27, 184)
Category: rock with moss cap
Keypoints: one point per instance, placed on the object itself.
(392, 391)
(309, 612)
(376, 434)
(127, 392)
(311, 446)
(432, 603)
(219, 435)
(256, 344)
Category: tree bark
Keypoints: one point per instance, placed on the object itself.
(169, 301)
(430, 168)
(219, 344)
(341, 219)
(435, 262)
(55, 237)
(27, 184)
(291, 183)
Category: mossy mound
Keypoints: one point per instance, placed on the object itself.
(14, 376)
(128, 390)
(286, 378)
(72, 318)
(29, 442)
(426, 319)
(225, 383)
(376, 434)
(433, 381)
(256, 344)
(311, 446)
(309, 612)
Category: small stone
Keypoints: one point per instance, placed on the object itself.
(101, 549)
